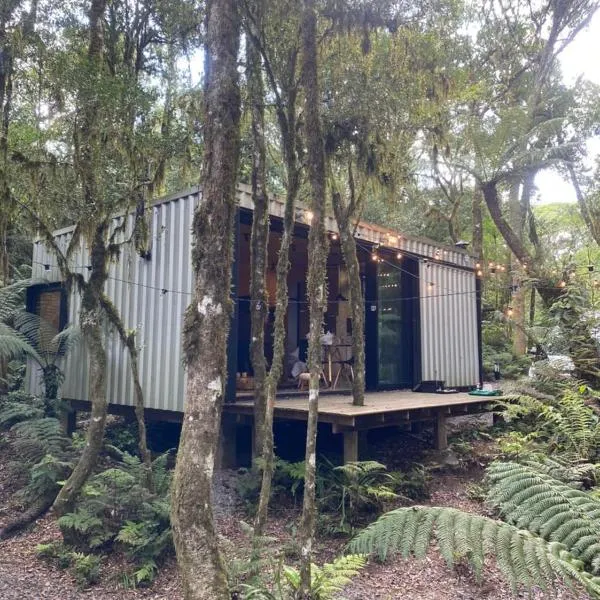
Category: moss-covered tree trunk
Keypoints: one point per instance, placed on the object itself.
(259, 239)
(88, 149)
(517, 299)
(207, 319)
(343, 216)
(316, 284)
(285, 96)
(91, 323)
(128, 340)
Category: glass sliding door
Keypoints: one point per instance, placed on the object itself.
(394, 328)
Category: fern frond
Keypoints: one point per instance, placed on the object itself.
(530, 498)
(523, 558)
(37, 437)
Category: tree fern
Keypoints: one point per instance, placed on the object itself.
(532, 499)
(523, 558)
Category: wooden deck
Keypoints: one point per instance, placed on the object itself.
(381, 409)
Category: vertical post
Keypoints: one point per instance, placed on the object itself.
(232, 341)
(355, 446)
(441, 430)
(478, 292)
(371, 326)
(68, 419)
(227, 450)
(350, 446)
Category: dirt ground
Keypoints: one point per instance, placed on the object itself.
(24, 576)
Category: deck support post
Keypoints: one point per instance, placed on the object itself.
(441, 430)
(355, 445)
(68, 419)
(227, 449)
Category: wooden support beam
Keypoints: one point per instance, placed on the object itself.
(355, 445)
(227, 450)
(441, 430)
(68, 419)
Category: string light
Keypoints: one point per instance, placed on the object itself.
(399, 255)
(334, 236)
(309, 215)
(509, 311)
(479, 273)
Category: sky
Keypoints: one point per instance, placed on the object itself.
(580, 58)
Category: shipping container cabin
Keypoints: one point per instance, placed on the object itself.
(422, 308)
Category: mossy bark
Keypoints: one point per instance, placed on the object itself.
(128, 340)
(259, 241)
(343, 216)
(87, 151)
(91, 323)
(285, 95)
(207, 319)
(316, 284)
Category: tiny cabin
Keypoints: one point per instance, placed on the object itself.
(422, 307)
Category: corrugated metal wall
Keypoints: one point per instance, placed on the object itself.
(449, 348)
(136, 287)
(152, 296)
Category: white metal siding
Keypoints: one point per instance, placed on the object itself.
(135, 286)
(449, 348)
(448, 322)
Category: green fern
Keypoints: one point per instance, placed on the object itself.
(532, 499)
(15, 412)
(331, 578)
(566, 425)
(523, 558)
(35, 438)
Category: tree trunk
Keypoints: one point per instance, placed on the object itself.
(477, 217)
(128, 340)
(92, 330)
(519, 337)
(259, 241)
(316, 285)
(207, 319)
(286, 117)
(357, 306)
(90, 316)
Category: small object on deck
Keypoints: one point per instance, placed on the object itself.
(430, 387)
(485, 393)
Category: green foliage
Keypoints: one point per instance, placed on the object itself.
(530, 498)
(326, 581)
(354, 490)
(288, 481)
(17, 407)
(331, 578)
(116, 508)
(565, 426)
(84, 567)
(35, 438)
(523, 558)
(497, 348)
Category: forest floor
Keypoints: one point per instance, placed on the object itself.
(24, 576)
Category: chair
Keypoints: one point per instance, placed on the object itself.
(345, 365)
